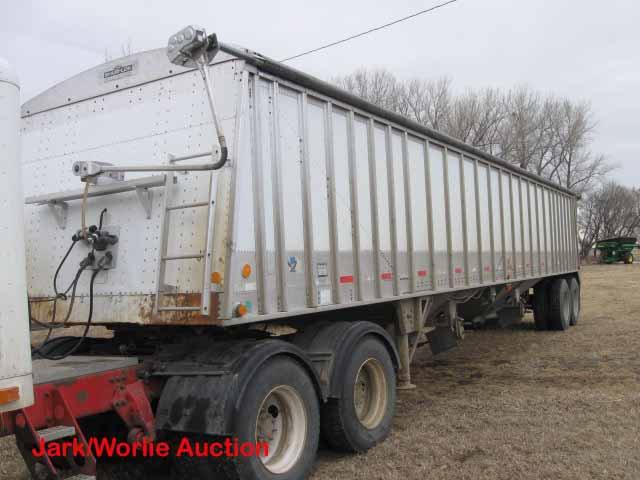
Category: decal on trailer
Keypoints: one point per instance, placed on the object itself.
(293, 263)
(119, 71)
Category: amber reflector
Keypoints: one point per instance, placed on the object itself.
(9, 395)
(246, 271)
(216, 277)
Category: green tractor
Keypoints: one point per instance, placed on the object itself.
(614, 250)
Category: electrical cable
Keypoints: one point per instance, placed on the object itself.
(73, 292)
(371, 30)
(60, 296)
(88, 261)
(55, 276)
(57, 296)
(104, 210)
(81, 340)
(53, 326)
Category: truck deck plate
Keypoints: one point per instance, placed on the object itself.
(48, 371)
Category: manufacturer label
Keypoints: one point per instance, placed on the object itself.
(116, 72)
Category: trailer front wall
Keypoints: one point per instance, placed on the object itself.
(352, 208)
(143, 119)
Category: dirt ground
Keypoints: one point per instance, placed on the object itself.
(512, 403)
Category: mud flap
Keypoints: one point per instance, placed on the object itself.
(508, 316)
(441, 339)
(206, 381)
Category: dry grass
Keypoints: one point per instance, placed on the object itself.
(513, 403)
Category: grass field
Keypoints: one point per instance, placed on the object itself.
(512, 404)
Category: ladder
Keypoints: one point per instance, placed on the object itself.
(164, 256)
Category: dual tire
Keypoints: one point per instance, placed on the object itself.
(556, 304)
(280, 407)
(362, 415)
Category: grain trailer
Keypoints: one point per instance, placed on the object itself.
(268, 252)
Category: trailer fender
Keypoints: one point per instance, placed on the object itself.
(335, 342)
(205, 397)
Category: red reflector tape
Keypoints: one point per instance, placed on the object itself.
(422, 273)
(458, 270)
(386, 276)
(346, 279)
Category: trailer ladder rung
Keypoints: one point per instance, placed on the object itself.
(188, 205)
(183, 257)
(164, 257)
(56, 433)
(178, 309)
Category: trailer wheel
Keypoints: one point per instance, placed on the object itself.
(574, 288)
(363, 414)
(629, 259)
(540, 306)
(559, 305)
(279, 407)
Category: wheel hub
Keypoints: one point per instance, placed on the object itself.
(282, 424)
(370, 393)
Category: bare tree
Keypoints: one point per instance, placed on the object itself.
(476, 116)
(577, 166)
(546, 135)
(377, 86)
(609, 212)
(429, 101)
(524, 136)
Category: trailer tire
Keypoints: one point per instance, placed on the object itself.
(280, 396)
(574, 288)
(540, 306)
(629, 259)
(559, 305)
(352, 423)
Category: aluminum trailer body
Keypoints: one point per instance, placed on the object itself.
(277, 294)
(327, 202)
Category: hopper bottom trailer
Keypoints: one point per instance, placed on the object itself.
(267, 292)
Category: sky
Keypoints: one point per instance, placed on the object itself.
(581, 49)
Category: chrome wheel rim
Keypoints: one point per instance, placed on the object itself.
(282, 424)
(370, 396)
